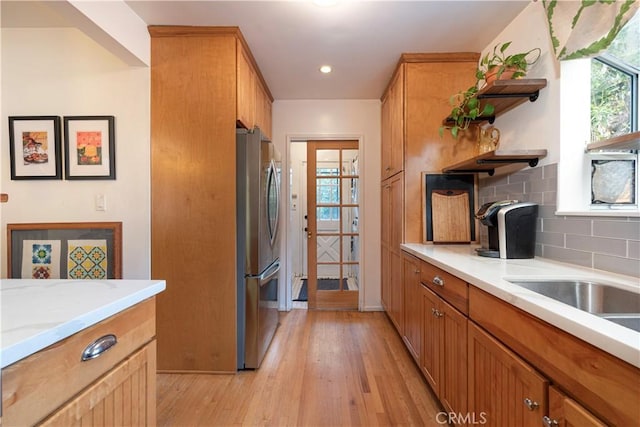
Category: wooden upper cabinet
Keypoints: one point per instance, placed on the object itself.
(413, 105)
(263, 110)
(254, 100)
(246, 89)
(393, 126)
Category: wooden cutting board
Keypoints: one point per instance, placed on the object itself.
(450, 216)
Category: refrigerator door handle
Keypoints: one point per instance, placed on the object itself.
(271, 271)
(266, 275)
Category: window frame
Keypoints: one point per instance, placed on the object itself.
(631, 71)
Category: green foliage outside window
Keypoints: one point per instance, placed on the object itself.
(612, 86)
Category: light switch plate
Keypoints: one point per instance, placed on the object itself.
(101, 202)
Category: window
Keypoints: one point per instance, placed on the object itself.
(590, 182)
(328, 193)
(614, 85)
(614, 112)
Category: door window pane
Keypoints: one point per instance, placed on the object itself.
(351, 277)
(350, 162)
(350, 248)
(350, 220)
(327, 214)
(324, 157)
(327, 191)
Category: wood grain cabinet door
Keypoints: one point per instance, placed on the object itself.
(453, 391)
(412, 305)
(124, 396)
(392, 126)
(503, 389)
(431, 339)
(566, 412)
(392, 285)
(246, 89)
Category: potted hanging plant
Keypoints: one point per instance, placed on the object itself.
(466, 109)
(498, 65)
(494, 65)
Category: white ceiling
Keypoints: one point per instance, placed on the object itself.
(361, 40)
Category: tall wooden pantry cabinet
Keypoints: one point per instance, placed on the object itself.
(413, 106)
(204, 83)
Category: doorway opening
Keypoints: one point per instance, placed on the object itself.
(324, 224)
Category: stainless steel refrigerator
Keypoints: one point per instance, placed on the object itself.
(258, 203)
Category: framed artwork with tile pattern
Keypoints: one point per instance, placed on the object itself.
(78, 250)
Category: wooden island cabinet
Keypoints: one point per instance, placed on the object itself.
(54, 387)
(204, 84)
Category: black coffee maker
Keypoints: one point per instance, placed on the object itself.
(512, 229)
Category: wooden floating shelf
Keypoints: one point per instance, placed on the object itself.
(488, 162)
(505, 95)
(630, 141)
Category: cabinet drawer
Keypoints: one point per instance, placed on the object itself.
(452, 289)
(36, 386)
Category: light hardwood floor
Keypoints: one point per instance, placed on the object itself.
(324, 368)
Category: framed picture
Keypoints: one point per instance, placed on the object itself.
(81, 250)
(34, 147)
(89, 143)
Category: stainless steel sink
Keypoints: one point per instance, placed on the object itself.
(631, 321)
(592, 297)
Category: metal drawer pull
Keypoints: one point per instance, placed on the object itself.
(436, 312)
(438, 281)
(99, 346)
(531, 404)
(549, 422)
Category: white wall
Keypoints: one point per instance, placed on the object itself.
(63, 72)
(324, 119)
(533, 125)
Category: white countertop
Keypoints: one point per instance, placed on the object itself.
(489, 275)
(37, 313)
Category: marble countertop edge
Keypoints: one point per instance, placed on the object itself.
(59, 330)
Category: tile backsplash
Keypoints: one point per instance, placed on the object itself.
(604, 243)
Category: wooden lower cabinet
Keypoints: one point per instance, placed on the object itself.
(444, 351)
(503, 389)
(125, 396)
(566, 412)
(392, 285)
(412, 305)
(490, 363)
(605, 385)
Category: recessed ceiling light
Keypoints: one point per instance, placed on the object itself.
(326, 69)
